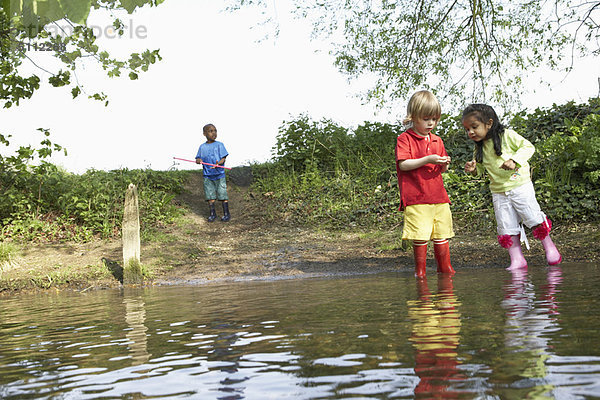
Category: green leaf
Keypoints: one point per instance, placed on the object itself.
(76, 91)
(131, 5)
(49, 10)
(76, 11)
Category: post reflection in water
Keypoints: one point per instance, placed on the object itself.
(435, 337)
(232, 383)
(135, 316)
(530, 323)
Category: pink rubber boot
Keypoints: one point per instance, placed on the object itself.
(513, 245)
(542, 232)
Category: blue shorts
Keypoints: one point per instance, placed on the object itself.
(215, 190)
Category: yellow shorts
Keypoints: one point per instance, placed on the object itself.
(427, 222)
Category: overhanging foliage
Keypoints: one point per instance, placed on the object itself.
(25, 33)
(463, 50)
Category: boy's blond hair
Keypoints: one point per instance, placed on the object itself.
(422, 104)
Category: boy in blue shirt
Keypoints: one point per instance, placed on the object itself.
(215, 187)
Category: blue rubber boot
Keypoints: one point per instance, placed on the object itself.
(226, 216)
(213, 213)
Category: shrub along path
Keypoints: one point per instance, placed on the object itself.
(256, 245)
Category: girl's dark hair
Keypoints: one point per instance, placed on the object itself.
(483, 113)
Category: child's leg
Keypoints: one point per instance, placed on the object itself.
(441, 249)
(222, 195)
(542, 232)
(210, 194)
(226, 216)
(418, 224)
(213, 214)
(509, 229)
(442, 230)
(529, 210)
(420, 255)
(513, 244)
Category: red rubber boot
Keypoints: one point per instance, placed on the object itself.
(441, 249)
(420, 254)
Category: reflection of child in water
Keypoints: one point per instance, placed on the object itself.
(436, 336)
(528, 324)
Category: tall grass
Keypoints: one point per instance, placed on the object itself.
(53, 205)
(7, 256)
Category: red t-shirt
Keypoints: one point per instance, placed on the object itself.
(423, 185)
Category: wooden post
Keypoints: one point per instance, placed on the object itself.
(132, 269)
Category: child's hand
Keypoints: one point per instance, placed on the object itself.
(509, 165)
(198, 161)
(470, 166)
(439, 160)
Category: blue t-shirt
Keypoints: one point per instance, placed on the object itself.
(211, 153)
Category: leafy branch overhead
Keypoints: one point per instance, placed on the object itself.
(464, 50)
(60, 27)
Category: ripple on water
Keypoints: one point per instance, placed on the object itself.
(482, 333)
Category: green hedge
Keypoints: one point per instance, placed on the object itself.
(325, 173)
(321, 173)
(47, 203)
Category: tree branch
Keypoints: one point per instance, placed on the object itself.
(416, 29)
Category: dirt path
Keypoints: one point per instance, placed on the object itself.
(250, 246)
(253, 246)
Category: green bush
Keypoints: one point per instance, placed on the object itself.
(51, 204)
(324, 173)
(567, 170)
(321, 173)
(542, 123)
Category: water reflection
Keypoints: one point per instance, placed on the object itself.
(550, 289)
(232, 382)
(135, 316)
(474, 335)
(435, 337)
(530, 325)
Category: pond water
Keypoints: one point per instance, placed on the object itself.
(484, 333)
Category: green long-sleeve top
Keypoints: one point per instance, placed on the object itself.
(515, 147)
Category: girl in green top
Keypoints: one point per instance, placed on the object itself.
(504, 154)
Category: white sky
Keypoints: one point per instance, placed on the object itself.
(213, 70)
